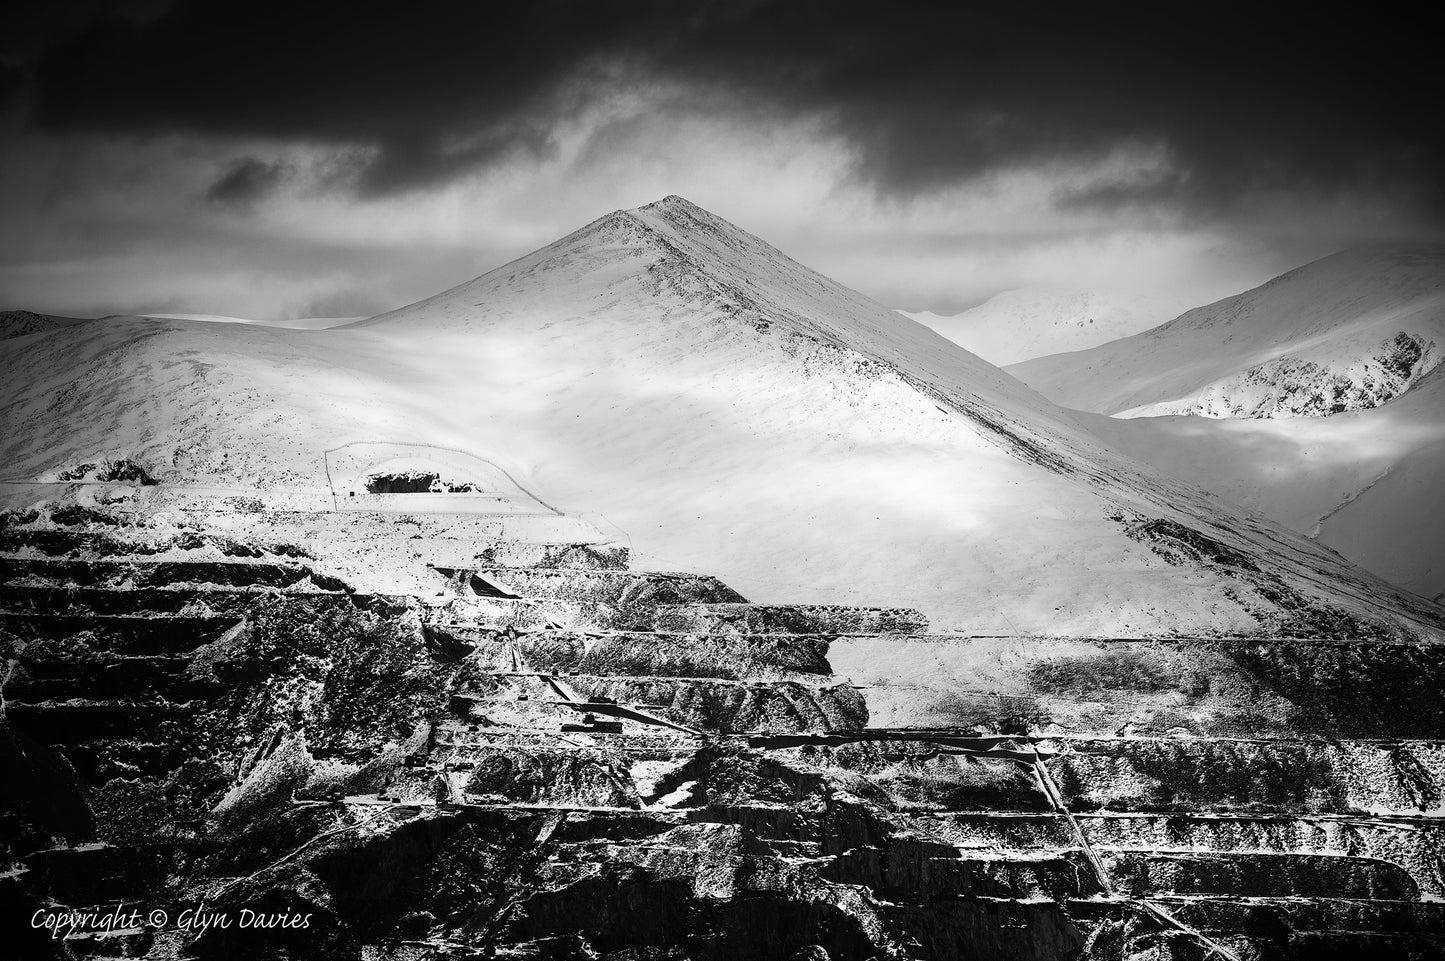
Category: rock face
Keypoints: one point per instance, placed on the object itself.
(1293, 387)
(567, 758)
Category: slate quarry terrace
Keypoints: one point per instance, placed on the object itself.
(569, 756)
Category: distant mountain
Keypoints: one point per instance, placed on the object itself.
(1318, 401)
(298, 323)
(1366, 483)
(728, 409)
(1017, 325)
(1348, 332)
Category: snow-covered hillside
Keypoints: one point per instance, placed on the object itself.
(1366, 483)
(1348, 332)
(1017, 325)
(1358, 337)
(731, 411)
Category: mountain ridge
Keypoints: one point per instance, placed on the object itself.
(1338, 437)
(730, 410)
(1339, 319)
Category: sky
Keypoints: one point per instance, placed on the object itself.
(277, 160)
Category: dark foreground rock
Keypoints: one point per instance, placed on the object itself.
(588, 762)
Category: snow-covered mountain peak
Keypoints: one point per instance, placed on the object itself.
(681, 209)
(1019, 324)
(675, 262)
(1347, 332)
(728, 409)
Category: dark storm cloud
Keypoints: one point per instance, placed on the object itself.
(248, 180)
(30, 27)
(435, 87)
(12, 82)
(1243, 98)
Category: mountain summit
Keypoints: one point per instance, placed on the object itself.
(674, 256)
(663, 373)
